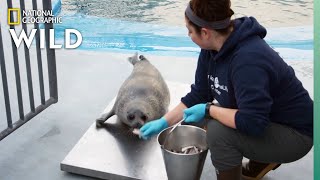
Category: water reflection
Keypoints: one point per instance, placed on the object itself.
(268, 12)
(136, 10)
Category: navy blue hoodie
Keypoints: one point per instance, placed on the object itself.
(248, 75)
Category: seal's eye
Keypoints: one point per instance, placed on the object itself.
(144, 118)
(131, 117)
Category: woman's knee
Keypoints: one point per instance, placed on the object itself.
(219, 134)
(222, 142)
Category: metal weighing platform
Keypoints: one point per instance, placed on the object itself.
(113, 153)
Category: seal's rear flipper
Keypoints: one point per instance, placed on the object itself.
(141, 57)
(104, 117)
(134, 59)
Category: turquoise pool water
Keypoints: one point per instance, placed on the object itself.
(120, 34)
(271, 13)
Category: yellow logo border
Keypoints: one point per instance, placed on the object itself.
(9, 17)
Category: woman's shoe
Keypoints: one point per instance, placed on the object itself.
(254, 170)
(230, 174)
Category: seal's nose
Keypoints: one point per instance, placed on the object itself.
(131, 117)
(136, 118)
(138, 125)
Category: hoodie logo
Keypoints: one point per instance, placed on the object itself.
(216, 86)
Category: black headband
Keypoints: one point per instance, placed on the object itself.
(202, 23)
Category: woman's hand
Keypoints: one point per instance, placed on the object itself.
(153, 127)
(194, 114)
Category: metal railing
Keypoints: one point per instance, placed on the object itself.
(52, 75)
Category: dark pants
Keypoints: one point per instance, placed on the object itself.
(279, 144)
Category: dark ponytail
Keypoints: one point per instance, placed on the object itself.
(212, 10)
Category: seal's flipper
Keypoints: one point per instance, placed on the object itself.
(104, 117)
(134, 59)
(141, 57)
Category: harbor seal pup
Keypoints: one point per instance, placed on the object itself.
(143, 97)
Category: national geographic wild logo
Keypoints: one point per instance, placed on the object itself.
(16, 17)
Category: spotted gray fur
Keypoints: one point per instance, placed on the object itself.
(143, 97)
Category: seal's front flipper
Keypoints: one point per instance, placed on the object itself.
(134, 59)
(104, 117)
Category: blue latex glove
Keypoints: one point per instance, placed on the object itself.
(195, 113)
(153, 127)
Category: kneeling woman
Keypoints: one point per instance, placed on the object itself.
(264, 113)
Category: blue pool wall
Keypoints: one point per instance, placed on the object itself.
(112, 35)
